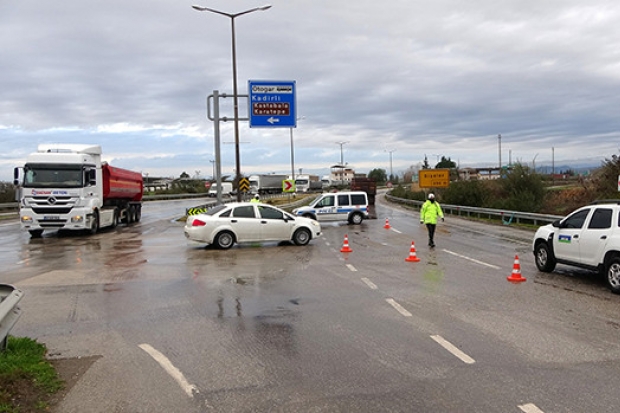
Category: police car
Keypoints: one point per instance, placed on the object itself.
(339, 206)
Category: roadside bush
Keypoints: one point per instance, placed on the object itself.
(466, 193)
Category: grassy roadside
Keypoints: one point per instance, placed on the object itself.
(27, 380)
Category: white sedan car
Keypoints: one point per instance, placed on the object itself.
(223, 225)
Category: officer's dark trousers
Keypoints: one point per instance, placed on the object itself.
(431, 233)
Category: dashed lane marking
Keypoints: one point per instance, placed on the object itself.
(175, 373)
(530, 408)
(398, 307)
(369, 283)
(472, 260)
(352, 268)
(452, 349)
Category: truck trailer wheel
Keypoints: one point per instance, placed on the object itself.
(138, 214)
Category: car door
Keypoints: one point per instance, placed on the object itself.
(326, 208)
(567, 237)
(245, 223)
(273, 225)
(594, 239)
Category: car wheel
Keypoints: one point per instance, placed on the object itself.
(356, 218)
(224, 240)
(301, 236)
(612, 274)
(545, 261)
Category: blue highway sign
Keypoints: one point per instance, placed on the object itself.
(272, 104)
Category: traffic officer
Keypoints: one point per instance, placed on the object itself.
(256, 199)
(431, 210)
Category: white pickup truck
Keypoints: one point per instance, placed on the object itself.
(588, 238)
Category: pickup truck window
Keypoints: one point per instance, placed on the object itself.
(576, 220)
(601, 219)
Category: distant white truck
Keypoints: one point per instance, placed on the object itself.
(227, 189)
(266, 184)
(308, 183)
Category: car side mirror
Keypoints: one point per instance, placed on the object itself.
(556, 223)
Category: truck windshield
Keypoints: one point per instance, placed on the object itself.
(53, 176)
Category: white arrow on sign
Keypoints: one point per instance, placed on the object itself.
(273, 120)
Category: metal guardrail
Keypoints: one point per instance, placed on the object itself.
(9, 311)
(506, 216)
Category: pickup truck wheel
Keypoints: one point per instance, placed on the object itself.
(545, 261)
(612, 274)
(301, 236)
(224, 240)
(356, 218)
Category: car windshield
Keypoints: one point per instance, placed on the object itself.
(53, 176)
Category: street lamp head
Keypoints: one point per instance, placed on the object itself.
(265, 7)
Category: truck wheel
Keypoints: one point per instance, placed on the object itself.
(356, 218)
(36, 233)
(612, 274)
(114, 219)
(545, 261)
(94, 224)
(224, 240)
(129, 215)
(301, 236)
(138, 213)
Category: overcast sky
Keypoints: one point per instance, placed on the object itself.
(435, 78)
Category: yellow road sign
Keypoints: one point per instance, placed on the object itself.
(244, 184)
(434, 178)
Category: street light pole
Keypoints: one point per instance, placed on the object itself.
(391, 172)
(232, 17)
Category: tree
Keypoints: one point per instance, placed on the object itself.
(425, 164)
(445, 163)
(184, 175)
(379, 175)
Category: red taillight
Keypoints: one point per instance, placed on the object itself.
(198, 223)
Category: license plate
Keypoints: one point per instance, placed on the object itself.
(51, 218)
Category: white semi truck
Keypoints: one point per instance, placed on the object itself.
(266, 184)
(68, 187)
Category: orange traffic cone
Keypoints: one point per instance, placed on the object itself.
(515, 277)
(345, 246)
(412, 257)
(387, 224)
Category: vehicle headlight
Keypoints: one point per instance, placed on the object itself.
(27, 220)
(316, 224)
(77, 218)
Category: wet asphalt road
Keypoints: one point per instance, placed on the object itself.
(280, 328)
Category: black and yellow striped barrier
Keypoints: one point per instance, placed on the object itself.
(195, 211)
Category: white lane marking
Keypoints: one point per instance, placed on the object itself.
(452, 349)
(176, 374)
(396, 231)
(530, 408)
(398, 307)
(352, 268)
(370, 284)
(472, 260)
